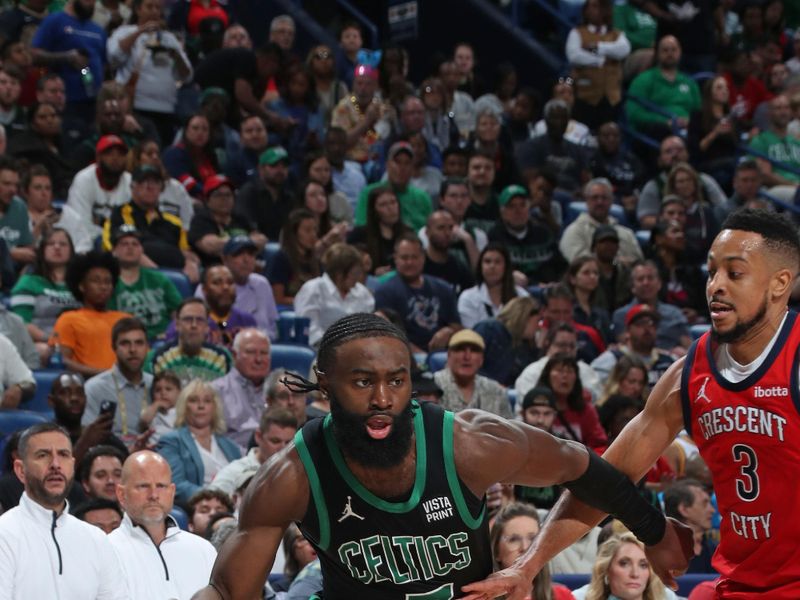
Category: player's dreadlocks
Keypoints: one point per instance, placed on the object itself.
(351, 327)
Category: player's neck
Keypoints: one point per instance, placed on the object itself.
(751, 346)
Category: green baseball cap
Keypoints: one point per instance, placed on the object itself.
(272, 156)
(511, 191)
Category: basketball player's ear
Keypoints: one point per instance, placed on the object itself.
(782, 283)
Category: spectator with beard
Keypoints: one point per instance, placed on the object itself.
(158, 559)
(68, 42)
(224, 319)
(253, 291)
(110, 119)
(141, 291)
(484, 211)
(124, 384)
(99, 188)
(46, 552)
(366, 442)
(84, 334)
(99, 472)
(265, 201)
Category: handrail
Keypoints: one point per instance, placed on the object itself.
(775, 163)
(362, 18)
(780, 203)
(652, 106)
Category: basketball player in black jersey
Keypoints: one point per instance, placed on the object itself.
(391, 493)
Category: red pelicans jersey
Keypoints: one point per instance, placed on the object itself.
(749, 435)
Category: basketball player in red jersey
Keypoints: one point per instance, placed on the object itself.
(737, 393)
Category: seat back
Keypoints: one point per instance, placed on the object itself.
(44, 379)
(180, 280)
(297, 359)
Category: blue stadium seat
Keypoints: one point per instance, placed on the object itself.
(12, 420)
(180, 280)
(437, 361)
(643, 237)
(697, 330)
(44, 381)
(180, 516)
(512, 398)
(572, 580)
(297, 359)
(270, 250)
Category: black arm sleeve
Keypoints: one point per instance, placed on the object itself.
(609, 490)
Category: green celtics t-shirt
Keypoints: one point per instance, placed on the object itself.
(15, 226)
(152, 299)
(785, 149)
(39, 301)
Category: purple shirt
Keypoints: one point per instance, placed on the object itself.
(219, 335)
(255, 298)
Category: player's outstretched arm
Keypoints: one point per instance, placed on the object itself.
(548, 461)
(277, 496)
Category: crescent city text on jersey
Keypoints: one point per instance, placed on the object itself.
(742, 419)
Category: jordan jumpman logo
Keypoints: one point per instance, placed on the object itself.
(348, 512)
(701, 395)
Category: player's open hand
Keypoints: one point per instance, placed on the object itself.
(670, 557)
(511, 583)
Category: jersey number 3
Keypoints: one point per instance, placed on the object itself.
(747, 485)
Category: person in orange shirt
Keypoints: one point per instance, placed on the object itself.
(84, 334)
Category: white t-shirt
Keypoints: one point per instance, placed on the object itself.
(735, 372)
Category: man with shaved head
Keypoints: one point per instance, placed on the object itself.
(44, 551)
(736, 393)
(159, 560)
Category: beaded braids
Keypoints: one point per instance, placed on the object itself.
(351, 327)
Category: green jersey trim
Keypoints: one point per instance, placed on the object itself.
(316, 490)
(364, 493)
(452, 476)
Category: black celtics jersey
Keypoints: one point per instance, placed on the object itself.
(425, 547)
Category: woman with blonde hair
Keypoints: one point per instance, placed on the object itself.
(628, 378)
(510, 339)
(197, 450)
(701, 225)
(622, 571)
(513, 530)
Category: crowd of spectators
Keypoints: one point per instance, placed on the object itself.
(169, 188)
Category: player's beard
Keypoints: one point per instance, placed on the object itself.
(742, 328)
(350, 432)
